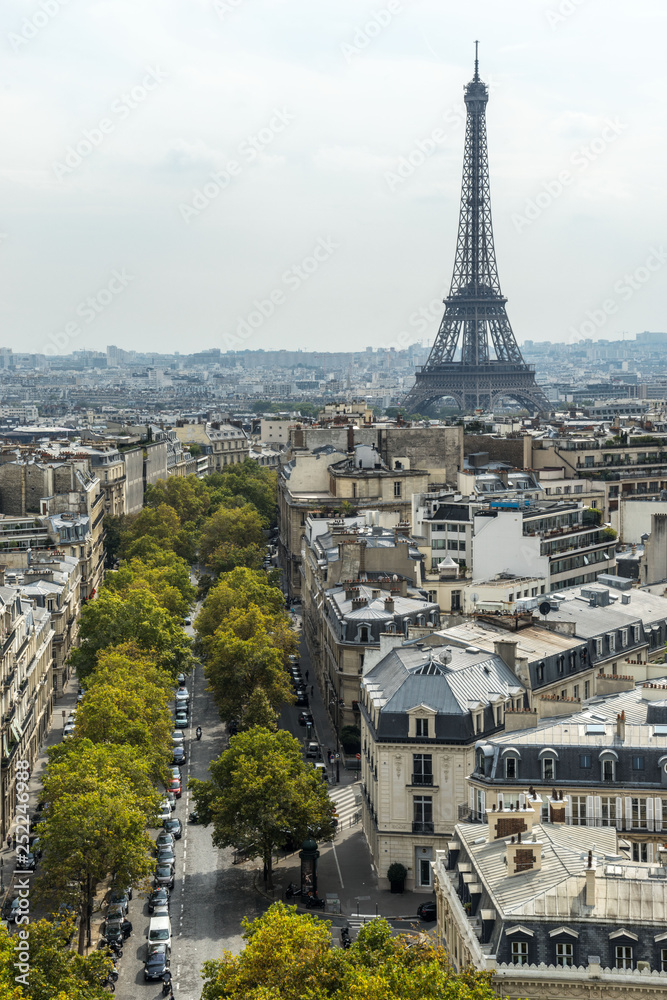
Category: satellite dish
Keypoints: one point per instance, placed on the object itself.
(545, 608)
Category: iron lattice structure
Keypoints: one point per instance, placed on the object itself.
(475, 313)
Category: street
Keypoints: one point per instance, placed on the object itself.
(211, 895)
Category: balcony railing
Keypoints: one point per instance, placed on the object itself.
(422, 779)
(419, 827)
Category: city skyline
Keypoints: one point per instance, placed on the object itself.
(264, 175)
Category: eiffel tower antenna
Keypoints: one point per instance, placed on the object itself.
(475, 313)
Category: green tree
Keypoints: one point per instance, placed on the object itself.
(235, 666)
(187, 495)
(259, 711)
(288, 956)
(54, 972)
(113, 535)
(162, 572)
(260, 793)
(238, 589)
(100, 798)
(113, 619)
(231, 530)
(245, 483)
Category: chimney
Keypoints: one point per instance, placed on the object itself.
(620, 725)
(505, 822)
(590, 880)
(389, 605)
(350, 439)
(523, 856)
(358, 602)
(557, 805)
(506, 650)
(349, 592)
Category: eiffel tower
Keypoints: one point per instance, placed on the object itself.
(475, 305)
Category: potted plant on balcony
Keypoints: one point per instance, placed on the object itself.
(397, 873)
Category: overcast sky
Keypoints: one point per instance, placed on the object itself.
(286, 173)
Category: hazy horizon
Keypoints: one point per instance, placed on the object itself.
(281, 174)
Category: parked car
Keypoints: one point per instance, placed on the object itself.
(121, 894)
(313, 750)
(305, 719)
(428, 911)
(177, 737)
(181, 680)
(322, 771)
(116, 911)
(158, 897)
(116, 931)
(166, 856)
(174, 827)
(164, 811)
(175, 787)
(157, 962)
(175, 771)
(26, 861)
(12, 910)
(171, 799)
(181, 720)
(164, 877)
(182, 697)
(301, 696)
(179, 755)
(164, 839)
(187, 621)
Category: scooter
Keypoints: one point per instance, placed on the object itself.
(292, 890)
(345, 939)
(198, 732)
(313, 902)
(166, 985)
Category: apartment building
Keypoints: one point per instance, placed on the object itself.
(26, 694)
(552, 911)
(422, 711)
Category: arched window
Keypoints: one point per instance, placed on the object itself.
(608, 759)
(548, 758)
(511, 757)
(363, 633)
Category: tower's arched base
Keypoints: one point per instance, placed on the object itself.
(475, 387)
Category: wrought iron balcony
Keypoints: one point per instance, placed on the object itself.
(422, 779)
(418, 827)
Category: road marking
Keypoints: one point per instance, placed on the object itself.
(337, 865)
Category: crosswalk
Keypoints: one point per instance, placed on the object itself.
(347, 800)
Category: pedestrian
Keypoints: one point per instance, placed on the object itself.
(306, 675)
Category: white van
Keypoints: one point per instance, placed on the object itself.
(159, 930)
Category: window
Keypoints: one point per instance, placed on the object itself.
(612, 641)
(422, 769)
(663, 960)
(456, 600)
(585, 760)
(579, 810)
(540, 673)
(623, 957)
(608, 769)
(598, 647)
(423, 814)
(479, 723)
(499, 715)
(561, 664)
(548, 769)
(587, 689)
(640, 852)
(624, 637)
(637, 763)
(639, 814)
(510, 767)
(363, 633)
(397, 489)
(421, 727)
(520, 952)
(608, 812)
(564, 954)
(636, 632)
(575, 692)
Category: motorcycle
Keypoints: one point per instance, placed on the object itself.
(198, 732)
(313, 902)
(292, 890)
(166, 985)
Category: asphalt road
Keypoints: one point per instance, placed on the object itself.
(211, 895)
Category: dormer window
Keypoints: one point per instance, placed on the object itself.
(421, 727)
(548, 769)
(511, 767)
